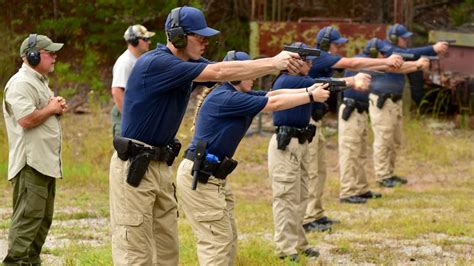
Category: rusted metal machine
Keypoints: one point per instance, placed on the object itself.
(455, 72)
(268, 38)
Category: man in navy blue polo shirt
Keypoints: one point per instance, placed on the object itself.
(223, 116)
(288, 166)
(143, 207)
(386, 106)
(353, 128)
(330, 42)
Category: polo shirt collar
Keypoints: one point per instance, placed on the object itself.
(34, 73)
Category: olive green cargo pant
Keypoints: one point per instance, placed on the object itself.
(144, 219)
(353, 153)
(116, 119)
(210, 211)
(33, 207)
(387, 127)
(288, 170)
(317, 175)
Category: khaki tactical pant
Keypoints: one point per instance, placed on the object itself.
(33, 207)
(353, 153)
(387, 128)
(210, 211)
(288, 170)
(317, 175)
(116, 118)
(144, 218)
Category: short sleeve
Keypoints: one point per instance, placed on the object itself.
(242, 104)
(171, 72)
(121, 72)
(21, 98)
(323, 64)
(258, 93)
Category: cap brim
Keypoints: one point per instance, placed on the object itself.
(386, 49)
(340, 40)
(407, 35)
(54, 47)
(149, 34)
(206, 32)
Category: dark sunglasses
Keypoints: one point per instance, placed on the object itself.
(146, 39)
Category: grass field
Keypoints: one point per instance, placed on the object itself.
(429, 221)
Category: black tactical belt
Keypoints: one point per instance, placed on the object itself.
(210, 167)
(359, 105)
(393, 96)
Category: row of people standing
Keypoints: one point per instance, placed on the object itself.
(143, 203)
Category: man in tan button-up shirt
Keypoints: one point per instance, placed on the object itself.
(31, 113)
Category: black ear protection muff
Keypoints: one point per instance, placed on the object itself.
(373, 52)
(176, 34)
(393, 36)
(326, 40)
(33, 55)
(231, 56)
(132, 37)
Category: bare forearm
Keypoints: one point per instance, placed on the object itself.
(286, 101)
(285, 91)
(38, 117)
(356, 63)
(117, 94)
(237, 70)
(407, 67)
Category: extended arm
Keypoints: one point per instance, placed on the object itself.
(356, 63)
(251, 69)
(285, 101)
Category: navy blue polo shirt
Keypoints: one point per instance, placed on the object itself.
(297, 116)
(393, 82)
(156, 97)
(322, 65)
(224, 117)
(353, 94)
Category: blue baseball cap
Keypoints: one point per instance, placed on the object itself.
(334, 36)
(236, 55)
(379, 45)
(192, 20)
(400, 31)
(303, 45)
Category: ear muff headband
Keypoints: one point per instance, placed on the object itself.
(326, 40)
(33, 55)
(393, 36)
(176, 34)
(231, 55)
(373, 52)
(132, 38)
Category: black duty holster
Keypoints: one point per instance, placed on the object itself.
(348, 109)
(319, 112)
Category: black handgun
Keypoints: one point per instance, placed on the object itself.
(372, 73)
(449, 41)
(303, 52)
(335, 84)
(405, 56)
